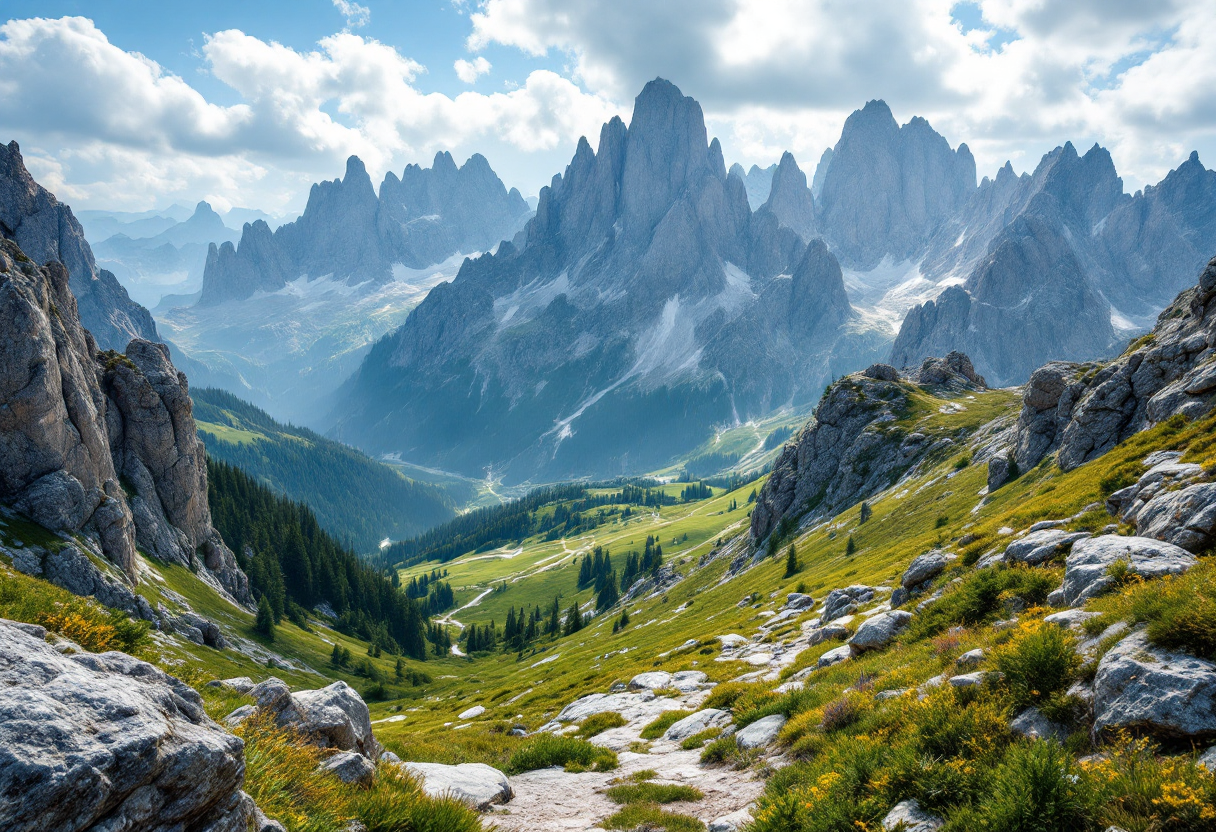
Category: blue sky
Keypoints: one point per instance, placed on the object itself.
(247, 103)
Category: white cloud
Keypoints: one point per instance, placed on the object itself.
(355, 14)
(123, 130)
(785, 73)
(470, 71)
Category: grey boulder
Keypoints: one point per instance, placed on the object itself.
(652, 680)
(907, 816)
(350, 767)
(760, 733)
(478, 785)
(1039, 547)
(880, 630)
(1147, 689)
(924, 568)
(1185, 518)
(92, 741)
(1032, 724)
(332, 717)
(702, 720)
(1086, 568)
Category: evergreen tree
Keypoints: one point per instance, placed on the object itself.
(607, 596)
(865, 512)
(264, 623)
(574, 619)
(791, 561)
(850, 547)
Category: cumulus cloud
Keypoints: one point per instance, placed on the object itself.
(1030, 75)
(470, 71)
(123, 130)
(355, 14)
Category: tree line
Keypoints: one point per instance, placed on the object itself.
(294, 565)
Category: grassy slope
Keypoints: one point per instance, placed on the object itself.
(356, 499)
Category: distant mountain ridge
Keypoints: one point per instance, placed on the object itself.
(349, 232)
(643, 304)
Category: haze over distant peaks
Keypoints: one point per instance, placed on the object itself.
(353, 235)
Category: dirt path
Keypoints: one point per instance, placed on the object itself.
(553, 800)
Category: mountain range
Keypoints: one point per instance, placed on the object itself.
(285, 315)
(643, 304)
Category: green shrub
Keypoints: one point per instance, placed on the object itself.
(658, 727)
(719, 750)
(651, 817)
(1038, 788)
(653, 793)
(544, 750)
(1180, 610)
(981, 596)
(1039, 663)
(724, 695)
(599, 723)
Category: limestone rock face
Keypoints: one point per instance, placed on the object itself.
(76, 421)
(55, 463)
(1085, 410)
(46, 230)
(887, 188)
(93, 742)
(846, 452)
(1140, 687)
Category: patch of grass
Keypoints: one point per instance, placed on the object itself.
(981, 598)
(82, 620)
(725, 695)
(699, 739)
(665, 720)
(651, 817)
(599, 723)
(281, 774)
(653, 793)
(719, 750)
(1180, 610)
(545, 750)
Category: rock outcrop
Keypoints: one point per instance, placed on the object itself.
(1082, 411)
(790, 200)
(46, 230)
(1143, 688)
(852, 448)
(1087, 568)
(331, 717)
(79, 427)
(476, 784)
(108, 742)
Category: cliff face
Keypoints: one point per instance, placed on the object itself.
(854, 447)
(1083, 410)
(46, 230)
(99, 442)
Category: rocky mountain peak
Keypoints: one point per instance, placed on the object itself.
(888, 188)
(666, 154)
(790, 200)
(45, 229)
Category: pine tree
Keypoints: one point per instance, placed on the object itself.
(264, 623)
(791, 561)
(608, 594)
(574, 619)
(850, 547)
(335, 658)
(399, 671)
(865, 513)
